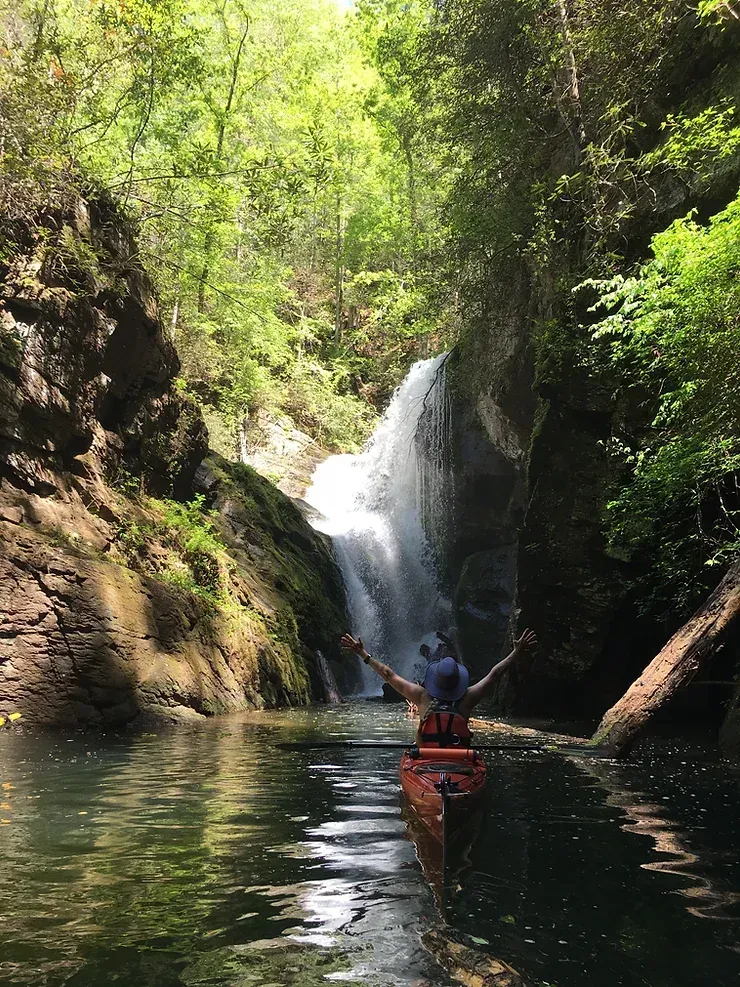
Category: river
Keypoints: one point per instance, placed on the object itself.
(210, 856)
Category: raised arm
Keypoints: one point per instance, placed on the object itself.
(409, 690)
(481, 690)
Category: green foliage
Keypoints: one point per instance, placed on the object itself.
(694, 142)
(273, 158)
(196, 558)
(132, 540)
(122, 480)
(673, 332)
(719, 11)
(318, 399)
(323, 197)
(190, 529)
(574, 133)
(76, 261)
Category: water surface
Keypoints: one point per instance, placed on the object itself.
(208, 856)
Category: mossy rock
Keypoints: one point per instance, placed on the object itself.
(289, 565)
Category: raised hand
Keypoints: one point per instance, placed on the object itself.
(526, 642)
(350, 644)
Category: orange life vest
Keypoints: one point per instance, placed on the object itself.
(444, 726)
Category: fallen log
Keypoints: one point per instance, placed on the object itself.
(468, 966)
(673, 668)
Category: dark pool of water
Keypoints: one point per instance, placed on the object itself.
(210, 857)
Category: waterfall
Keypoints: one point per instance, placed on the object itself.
(376, 507)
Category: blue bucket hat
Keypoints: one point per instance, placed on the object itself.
(446, 679)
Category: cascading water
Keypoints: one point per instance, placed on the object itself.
(376, 506)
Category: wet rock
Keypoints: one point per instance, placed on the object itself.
(87, 642)
(489, 497)
(330, 689)
(569, 587)
(94, 628)
(532, 480)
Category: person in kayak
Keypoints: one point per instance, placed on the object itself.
(446, 682)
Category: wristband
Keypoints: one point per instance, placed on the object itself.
(367, 660)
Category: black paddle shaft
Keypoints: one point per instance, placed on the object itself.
(302, 745)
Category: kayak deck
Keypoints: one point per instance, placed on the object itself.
(423, 772)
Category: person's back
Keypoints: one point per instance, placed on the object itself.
(443, 712)
(443, 725)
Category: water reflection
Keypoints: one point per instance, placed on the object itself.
(560, 893)
(212, 857)
(709, 896)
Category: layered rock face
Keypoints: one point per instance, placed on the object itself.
(527, 545)
(110, 612)
(488, 499)
(84, 364)
(89, 635)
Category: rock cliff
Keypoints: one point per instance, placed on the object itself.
(528, 543)
(533, 414)
(141, 581)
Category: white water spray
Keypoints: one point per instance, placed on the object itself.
(375, 506)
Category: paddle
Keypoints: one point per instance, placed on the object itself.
(307, 745)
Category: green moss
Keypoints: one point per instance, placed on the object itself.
(196, 558)
(11, 348)
(298, 603)
(294, 559)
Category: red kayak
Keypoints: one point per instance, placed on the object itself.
(444, 786)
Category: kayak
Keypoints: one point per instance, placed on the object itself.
(444, 787)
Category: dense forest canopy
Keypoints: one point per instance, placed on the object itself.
(271, 158)
(323, 195)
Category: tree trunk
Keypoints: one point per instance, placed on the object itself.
(222, 118)
(338, 275)
(673, 667)
(175, 312)
(573, 116)
(38, 43)
(243, 447)
(413, 203)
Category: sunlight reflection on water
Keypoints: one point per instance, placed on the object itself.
(211, 857)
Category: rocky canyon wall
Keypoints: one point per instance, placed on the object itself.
(124, 600)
